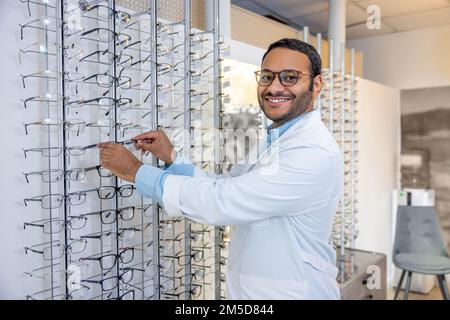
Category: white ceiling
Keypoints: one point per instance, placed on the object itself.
(396, 15)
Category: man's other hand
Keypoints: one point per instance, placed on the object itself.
(158, 144)
(119, 160)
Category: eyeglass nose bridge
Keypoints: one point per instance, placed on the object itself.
(276, 75)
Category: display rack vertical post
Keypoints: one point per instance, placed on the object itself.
(154, 125)
(188, 134)
(343, 143)
(217, 141)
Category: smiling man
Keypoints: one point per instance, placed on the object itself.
(282, 218)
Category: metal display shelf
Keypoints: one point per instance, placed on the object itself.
(94, 71)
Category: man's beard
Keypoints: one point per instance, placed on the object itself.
(299, 105)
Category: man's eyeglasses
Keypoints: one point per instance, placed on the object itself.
(286, 77)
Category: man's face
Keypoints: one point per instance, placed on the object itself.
(283, 103)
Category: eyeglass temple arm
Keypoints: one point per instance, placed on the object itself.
(92, 54)
(27, 174)
(91, 281)
(89, 78)
(25, 101)
(32, 224)
(90, 258)
(32, 250)
(31, 199)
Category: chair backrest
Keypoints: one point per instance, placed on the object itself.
(418, 231)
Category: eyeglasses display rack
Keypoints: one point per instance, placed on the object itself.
(97, 71)
(338, 105)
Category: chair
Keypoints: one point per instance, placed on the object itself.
(419, 247)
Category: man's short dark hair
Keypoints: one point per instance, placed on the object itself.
(303, 47)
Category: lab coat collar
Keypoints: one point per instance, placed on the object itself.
(302, 122)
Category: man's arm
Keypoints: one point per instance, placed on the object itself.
(160, 146)
(295, 187)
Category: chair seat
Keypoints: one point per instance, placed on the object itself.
(423, 263)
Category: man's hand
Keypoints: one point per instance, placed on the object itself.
(158, 144)
(119, 160)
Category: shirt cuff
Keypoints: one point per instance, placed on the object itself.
(150, 182)
(171, 198)
(180, 167)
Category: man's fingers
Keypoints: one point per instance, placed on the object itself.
(149, 147)
(104, 159)
(103, 145)
(106, 151)
(151, 135)
(142, 143)
(106, 166)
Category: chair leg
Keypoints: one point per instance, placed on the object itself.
(443, 286)
(408, 285)
(399, 285)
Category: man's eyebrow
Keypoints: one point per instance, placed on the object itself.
(284, 69)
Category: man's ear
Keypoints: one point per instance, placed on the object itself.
(317, 86)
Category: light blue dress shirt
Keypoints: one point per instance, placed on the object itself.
(150, 180)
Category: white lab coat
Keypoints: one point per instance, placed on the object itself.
(281, 207)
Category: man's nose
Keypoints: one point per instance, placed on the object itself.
(276, 85)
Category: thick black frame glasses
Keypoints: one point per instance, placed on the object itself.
(286, 77)
(108, 284)
(108, 261)
(109, 216)
(109, 192)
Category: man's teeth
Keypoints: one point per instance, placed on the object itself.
(277, 100)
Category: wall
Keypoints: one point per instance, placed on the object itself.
(172, 10)
(408, 60)
(255, 30)
(426, 126)
(379, 145)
